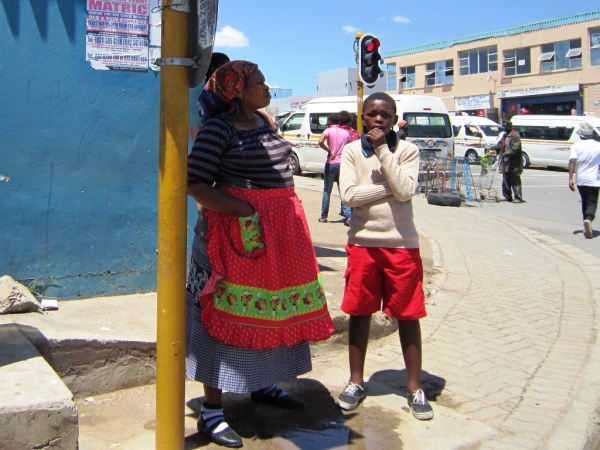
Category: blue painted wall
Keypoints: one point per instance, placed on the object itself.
(81, 149)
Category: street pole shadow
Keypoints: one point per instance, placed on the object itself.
(391, 381)
(320, 425)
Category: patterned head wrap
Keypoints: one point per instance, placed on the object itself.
(402, 124)
(219, 95)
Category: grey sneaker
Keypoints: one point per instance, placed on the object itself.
(419, 405)
(351, 396)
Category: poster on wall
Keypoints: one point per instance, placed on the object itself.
(117, 34)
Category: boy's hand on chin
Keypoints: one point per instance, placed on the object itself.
(376, 136)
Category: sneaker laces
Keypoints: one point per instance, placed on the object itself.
(352, 389)
(419, 397)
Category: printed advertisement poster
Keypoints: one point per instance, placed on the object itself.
(117, 33)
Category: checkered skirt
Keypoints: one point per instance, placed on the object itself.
(225, 367)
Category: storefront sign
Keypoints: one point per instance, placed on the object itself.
(529, 92)
(473, 102)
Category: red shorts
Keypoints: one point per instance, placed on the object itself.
(392, 274)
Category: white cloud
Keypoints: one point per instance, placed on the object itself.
(230, 37)
(401, 19)
(349, 29)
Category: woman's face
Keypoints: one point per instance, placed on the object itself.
(255, 94)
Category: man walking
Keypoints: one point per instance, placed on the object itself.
(585, 160)
(509, 148)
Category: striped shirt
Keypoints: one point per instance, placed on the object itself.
(254, 159)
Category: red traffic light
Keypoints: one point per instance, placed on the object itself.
(372, 45)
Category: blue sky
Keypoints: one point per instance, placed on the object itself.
(293, 41)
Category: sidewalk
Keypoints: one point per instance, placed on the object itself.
(511, 358)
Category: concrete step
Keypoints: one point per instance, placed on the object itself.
(37, 410)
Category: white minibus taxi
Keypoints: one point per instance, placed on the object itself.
(427, 117)
(472, 135)
(547, 140)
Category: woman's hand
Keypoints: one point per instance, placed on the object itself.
(245, 210)
(376, 136)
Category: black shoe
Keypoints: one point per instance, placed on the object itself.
(351, 397)
(419, 406)
(226, 437)
(506, 199)
(322, 220)
(519, 200)
(283, 401)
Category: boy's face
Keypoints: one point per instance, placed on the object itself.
(379, 114)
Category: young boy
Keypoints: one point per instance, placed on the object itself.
(379, 176)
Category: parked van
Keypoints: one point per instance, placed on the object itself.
(472, 135)
(547, 140)
(427, 117)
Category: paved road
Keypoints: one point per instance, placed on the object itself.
(551, 208)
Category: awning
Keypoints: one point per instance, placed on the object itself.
(548, 56)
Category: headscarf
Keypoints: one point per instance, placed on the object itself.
(219, 94)
(402, 124)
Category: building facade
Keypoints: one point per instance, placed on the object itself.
(546, 67)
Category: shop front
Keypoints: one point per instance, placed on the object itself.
(476, 105)
(550, 100)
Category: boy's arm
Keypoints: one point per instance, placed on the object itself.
(354, 195)
(402, 175)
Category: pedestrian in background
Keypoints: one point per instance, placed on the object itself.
(385, 272)
(402, 130)
(585, 161)
(511, 165)
(346, 124)
(333, 140)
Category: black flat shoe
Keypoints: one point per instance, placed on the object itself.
(286, 401)
(227, 438)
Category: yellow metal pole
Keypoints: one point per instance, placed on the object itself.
(172, 205)
(359, 90)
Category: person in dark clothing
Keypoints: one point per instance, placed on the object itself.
(402, 132)
(509, 148)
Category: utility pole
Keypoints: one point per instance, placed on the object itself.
(172, 233)
(359, 87)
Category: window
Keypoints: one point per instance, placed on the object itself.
(490, 130)
(479, 60)
(517, 62)
(472, 131)
(595, 46)
(391, 77)
(441, 72)
(428, 125)
(546, 133)
(318, 122)
(456, 129)
(407, 77)
(561, 55)
(293, 123)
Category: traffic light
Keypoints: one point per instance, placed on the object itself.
(369, 58)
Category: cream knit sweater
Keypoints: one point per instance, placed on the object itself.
(379, 189)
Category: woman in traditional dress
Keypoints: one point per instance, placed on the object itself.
(255, 296)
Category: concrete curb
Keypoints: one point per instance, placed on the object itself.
(37, 410)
